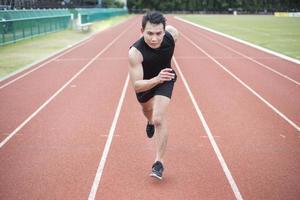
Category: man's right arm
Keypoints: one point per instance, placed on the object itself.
(136, 73)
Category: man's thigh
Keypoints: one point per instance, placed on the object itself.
(160, 105)
(148, 106)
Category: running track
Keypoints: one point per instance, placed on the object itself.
(71, 127)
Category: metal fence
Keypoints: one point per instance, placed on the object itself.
(95, 14)
(17, 25)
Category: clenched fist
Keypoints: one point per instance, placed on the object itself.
(166, 74)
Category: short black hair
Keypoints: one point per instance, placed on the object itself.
(154, 17)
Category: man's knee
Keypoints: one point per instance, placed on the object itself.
(158, 120)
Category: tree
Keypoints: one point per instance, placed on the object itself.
(215, 5)
(112, 4)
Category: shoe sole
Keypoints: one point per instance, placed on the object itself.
(155, 176)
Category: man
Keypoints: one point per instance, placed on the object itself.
(153, 78)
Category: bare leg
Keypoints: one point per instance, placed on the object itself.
(160, 105)
(155, 110)
(148, 110)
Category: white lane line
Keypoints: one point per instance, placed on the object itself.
(41, 65)
(253, 60)
(86, 59)
(229, 177)
(61, 89)
(67, 50)
(242, 41)
(102, 162)
(244, 84)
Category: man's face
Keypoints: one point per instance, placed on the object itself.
(153, 34)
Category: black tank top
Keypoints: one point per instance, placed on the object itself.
(154, 60)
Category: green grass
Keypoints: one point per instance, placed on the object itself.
(16, 56)
(280, 34)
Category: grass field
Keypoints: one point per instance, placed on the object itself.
(16, 56)
(280, 34)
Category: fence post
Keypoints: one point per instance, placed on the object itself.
(23, 31)
(3, 38)
(3, 24)
(31, 30)
(39, 30)
(14, 33)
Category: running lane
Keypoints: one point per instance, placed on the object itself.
(55, 155)
(192, 170)
(259, 146)
(277, 63)
(21, 98)
(280, 91)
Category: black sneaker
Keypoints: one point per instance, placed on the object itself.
(150, 130)
(157, 170)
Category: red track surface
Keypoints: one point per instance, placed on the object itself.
(55, 153)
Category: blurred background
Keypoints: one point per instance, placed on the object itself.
(206, 6)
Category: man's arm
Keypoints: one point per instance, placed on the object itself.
(136, 73)
(174, 32)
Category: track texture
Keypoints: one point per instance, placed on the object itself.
(61, 116)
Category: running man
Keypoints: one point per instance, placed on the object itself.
(153, 78)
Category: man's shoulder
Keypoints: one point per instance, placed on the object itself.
(133, 51)
(173, 32)
(134, 55)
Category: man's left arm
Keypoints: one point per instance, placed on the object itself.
(173, 31)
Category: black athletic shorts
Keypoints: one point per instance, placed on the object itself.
(164, 89)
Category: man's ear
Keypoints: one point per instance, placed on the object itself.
(142, 30)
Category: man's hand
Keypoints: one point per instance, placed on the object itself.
(165, 75)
